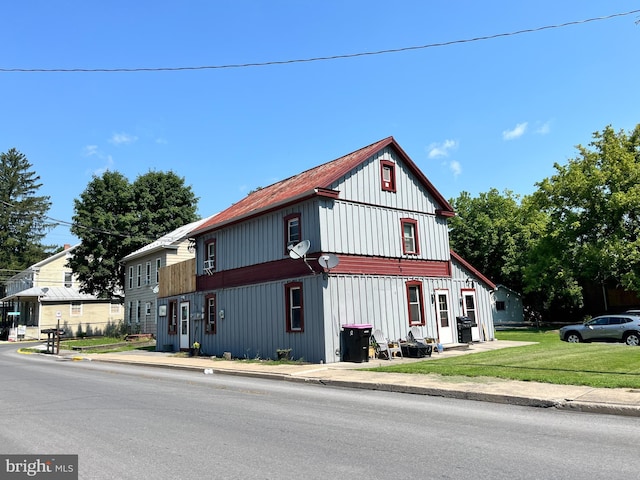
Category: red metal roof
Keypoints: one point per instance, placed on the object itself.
(312, 182)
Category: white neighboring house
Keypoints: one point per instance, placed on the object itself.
(142, 276)
(47, 293)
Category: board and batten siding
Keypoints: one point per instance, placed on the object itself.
(362, 229)
(259, 240)
(484, 300)
(364, 185)
(254, 324)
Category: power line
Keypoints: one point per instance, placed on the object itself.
(316, 59)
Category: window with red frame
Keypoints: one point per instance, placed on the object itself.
(415, 301)
(292, 231)
(210, 322)
(409, 236)
(388, 175)
(173, 317)
(294, 306)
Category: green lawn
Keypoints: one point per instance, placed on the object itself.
(550, 361)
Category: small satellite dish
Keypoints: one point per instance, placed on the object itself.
(299, 250)
(156, 289)
(328, 261)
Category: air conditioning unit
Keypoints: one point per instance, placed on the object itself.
(209, 264)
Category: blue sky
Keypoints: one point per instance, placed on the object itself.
(473, 116)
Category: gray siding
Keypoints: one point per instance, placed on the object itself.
(259, 240)
(362, 229)
(363, 185)
(254, 324)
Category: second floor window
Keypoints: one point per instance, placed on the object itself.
(210, 262)
(409, 236)
(68, 279)
(139, 275)
(292, 231)
(131, 277)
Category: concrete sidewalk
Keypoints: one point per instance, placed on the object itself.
(618, 401)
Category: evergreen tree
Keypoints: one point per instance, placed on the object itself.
(23, 214)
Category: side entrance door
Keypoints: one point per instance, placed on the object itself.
(443, 315)
(184, 325)
(469, 302)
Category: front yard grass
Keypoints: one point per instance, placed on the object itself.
(550, 360)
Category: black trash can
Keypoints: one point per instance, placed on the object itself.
(464, 329)
(355, 342)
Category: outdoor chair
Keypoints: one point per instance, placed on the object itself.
(383, 345)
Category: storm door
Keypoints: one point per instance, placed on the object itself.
(184, 325)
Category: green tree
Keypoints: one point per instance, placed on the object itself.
(103, 220)
(491, 232)
(593, 229)
(163, 203)
(23, 213)
(114, 218)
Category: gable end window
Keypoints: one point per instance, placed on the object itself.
(409, 236)
(388, 175)
(294, 306)
(210, 320)
(292, 231)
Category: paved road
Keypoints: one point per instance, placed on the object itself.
(136, 422)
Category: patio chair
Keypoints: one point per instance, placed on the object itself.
(414, 336)
(383, 345)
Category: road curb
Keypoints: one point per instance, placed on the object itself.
(461, 394)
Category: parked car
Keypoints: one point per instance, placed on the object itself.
(606, 328)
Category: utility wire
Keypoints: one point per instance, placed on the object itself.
(317, 59)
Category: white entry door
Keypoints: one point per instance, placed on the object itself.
(184, 325)
(443, 315)
(469, 302)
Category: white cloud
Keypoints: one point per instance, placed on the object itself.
(90, 150)
(161, 141)
(544, 128)
(455, 167)
(122, 138)
(517, 132)
(437, 150)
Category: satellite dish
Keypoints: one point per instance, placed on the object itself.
(299, 250)
(155, 289)
(328, 261)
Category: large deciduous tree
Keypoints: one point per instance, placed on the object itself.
(114, 218)
(23, 213)
(593, 232)
(491, 232)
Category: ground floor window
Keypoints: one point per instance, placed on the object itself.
(210, 320)
(173, 317)
(416, 305)
(294, 306)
